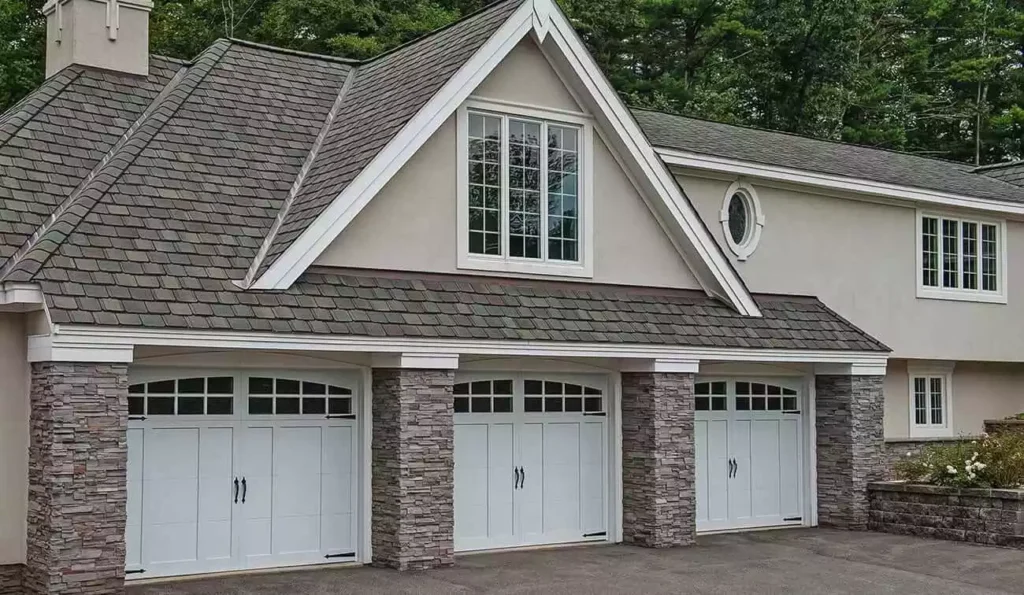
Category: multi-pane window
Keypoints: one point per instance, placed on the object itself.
(929, 401)
(711, 396)
(759, 396)
(547, 396)
(524, 189)
(483, 396)
(959, 255)
(183, 396)
(287, 396)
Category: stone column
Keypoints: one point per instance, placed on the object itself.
(658, 499)
(850, 442)
(78, 460)
(413, 518)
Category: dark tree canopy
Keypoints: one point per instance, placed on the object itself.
(943, 78)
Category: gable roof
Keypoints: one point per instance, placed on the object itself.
(1011, 173)
(809, 154)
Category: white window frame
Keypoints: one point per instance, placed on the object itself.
(755, 220)
(504, 263)
(929, 371)
(960, 294)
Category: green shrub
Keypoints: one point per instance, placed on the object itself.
(996, 461)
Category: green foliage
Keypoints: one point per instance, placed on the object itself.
(941, 78)
(997, 461)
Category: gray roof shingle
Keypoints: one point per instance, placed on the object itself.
(376, 304)
(1011, 173)
(800, 152)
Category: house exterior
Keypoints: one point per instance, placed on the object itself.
(268, 309)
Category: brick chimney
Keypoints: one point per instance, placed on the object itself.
(110, 34)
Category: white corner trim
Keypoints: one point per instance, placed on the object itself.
(417, 361)
(662, 365)
(47, 348)
(925, 196)
(956, 294)
(333, 221)
(851, 369)
(744, 249)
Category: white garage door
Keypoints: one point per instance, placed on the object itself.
(229, 472)
(749, 455)
(530, 461)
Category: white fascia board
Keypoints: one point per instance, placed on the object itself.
(119, 337)
(332, 222)
(700, 161)
(621, 122)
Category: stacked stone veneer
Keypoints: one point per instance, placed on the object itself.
(78, 459)
(413, 516)
(994, 517)
(10, 579)
(850, 447)
(658, 466)
(996, 426)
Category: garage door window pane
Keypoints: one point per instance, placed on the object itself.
(313, 388)
(480, 404)
(338, 390)
(339, 406)
(261, 386)
(190, 406)
(461, 404)
(461, 388)
(261, 406)
(287, 387)
(164, 387)
(593, 404)
(160, 406)
(287, 406)
(503, 404)
(192, 386)
(220, 385)
(220, 405)
(314, 405)
(533, 404)
(136, 406)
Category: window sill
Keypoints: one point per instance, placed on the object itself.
(934, 293)
(502, 265)
(931, 433)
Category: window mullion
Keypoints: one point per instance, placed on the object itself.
(544, 192)
(504, 216)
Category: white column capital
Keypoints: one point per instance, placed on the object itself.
(44, 348)
(851, 369)
(417, 361)
(661, 365)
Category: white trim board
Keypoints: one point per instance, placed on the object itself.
(546, 21)
(699, 161)
(122, 340)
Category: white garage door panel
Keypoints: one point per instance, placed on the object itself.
(592, 483)
(215, 492)
(296, 487)
(338, 491)
(764, 468)
(740, 508)
(483, 485)
(712, 448)
(561, 468)
(133, 528)
(790, 478)
(171, 505)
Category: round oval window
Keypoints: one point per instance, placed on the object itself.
(739, 217)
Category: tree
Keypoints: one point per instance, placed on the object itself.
(22, 49)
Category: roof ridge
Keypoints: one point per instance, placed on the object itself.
(281, 50)
(300, 178)
(803, 136)
(430, 34)
(40, 246)
(28, 108)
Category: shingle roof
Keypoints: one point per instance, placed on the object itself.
(840, 159)
(145, 202)
(1011, 173)
(379, 304)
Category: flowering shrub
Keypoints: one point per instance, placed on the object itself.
(995, 461)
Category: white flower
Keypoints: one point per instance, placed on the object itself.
(980, 466)
(910, 454)
(950, 469)
(975, 457)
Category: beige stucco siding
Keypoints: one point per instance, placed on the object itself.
(14, 381)
(411, 225)
(860, 259)
(980, 391)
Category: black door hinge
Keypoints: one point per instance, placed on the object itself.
(598, 534)
(596, 414)
(140, 571)
(348, 555)
(346, 416)
(792, 518)
(136, 418)
(797, 412)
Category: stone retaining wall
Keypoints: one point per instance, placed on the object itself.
(10, 579)
(994, 426)
(991, 517)
(896, 450)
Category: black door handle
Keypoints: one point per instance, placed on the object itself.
(236, 490)
(515, 486)
(522, 477)
(244, 490)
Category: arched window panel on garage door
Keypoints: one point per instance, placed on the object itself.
(290, 396)
(547, 396)
(762, 396)
(711, 396)
(483, 396)
(201, 395)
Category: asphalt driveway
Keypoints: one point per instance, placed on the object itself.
(770, 562)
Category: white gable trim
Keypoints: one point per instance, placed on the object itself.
(700, 161)
(544, 19)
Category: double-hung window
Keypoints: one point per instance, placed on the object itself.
(960, 258)
(930, 402)
(522, 201)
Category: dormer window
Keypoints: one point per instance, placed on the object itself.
(522, 191)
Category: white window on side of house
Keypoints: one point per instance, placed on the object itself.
(960, 258)
(931, 403)
(524, 192)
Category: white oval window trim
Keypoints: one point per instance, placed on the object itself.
(755, 219)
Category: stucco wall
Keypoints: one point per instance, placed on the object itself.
(412, 223)
(860, 258)
(980, 391)
(14, 381)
